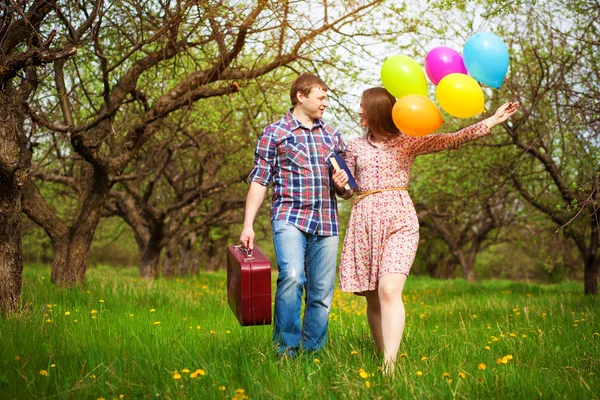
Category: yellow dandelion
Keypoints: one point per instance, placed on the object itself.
(367, 384)
(316, 361)
(419, 373)
(94, 312)
(198, 327)
(152, 310)
(49, 305)
(176, 375)
(403, 355)
(354, 352)
(222, 388)
(200, 372)
(482, 366)
(212, 332)
(131, 315)
(43, 372)
(185, 370)
(17, 358)
(462, 375)
(363, 374)
(67, 313)
(121, 396)
(240, 391)
(523, 336)
(52, 365)
(92, 376)
(87, 292)
(156, 322)
(474, 316)
(446, 375)
(228, 331)
(487, 347)
(101, 301)
(100, 398)
(75, 320)
(423, 358)
(544, 315)
(194, 375)
(508, 357)
(48, 320)
(449, 381)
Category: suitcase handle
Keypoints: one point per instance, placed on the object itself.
(247, 252)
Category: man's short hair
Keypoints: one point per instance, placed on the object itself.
(304, 84)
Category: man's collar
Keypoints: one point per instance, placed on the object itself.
(294, 123)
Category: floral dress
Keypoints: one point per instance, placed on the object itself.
(383, 232)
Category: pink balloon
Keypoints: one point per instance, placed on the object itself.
(442, 61)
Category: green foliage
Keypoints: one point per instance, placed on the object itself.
(121, 336)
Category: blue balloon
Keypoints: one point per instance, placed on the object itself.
(486, 58)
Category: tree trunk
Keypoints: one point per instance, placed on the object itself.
(591, 279)
(216, 254)
(150, 245)
(168, 267)
(186, 255)
(150, 255)
(592, 259)
(12, 178)
(195, 260)
(70, 266)
(466, 264)
(11, 263)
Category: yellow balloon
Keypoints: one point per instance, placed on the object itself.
(460, 95)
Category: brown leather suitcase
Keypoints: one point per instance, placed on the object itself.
(249, 285)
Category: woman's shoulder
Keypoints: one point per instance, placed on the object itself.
(356, 143)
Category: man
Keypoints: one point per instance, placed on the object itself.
(293, 154)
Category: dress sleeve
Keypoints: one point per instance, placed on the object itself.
(441, 141)
(350, 158)
(264, 158)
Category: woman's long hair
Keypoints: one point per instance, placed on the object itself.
(377, 104)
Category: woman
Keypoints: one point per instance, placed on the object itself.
(383, 232)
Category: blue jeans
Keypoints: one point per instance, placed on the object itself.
(304, 261)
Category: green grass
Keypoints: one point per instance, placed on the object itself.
(117, 347)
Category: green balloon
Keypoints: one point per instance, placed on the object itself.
(401, 75)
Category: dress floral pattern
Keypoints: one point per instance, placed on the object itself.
(383, 232)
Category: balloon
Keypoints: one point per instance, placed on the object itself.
(416, 115)
(442, 61)
(401, 75)
(460, 95)
(486, 58)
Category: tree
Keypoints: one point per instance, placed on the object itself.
(24, 46)
(556, 139)
(144, 65)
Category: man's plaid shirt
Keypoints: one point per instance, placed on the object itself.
(296, 160)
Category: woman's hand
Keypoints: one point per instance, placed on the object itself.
(502, 114)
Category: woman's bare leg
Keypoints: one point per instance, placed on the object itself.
(374, 318)
(392, 317)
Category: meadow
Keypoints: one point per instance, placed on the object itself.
(122, 337)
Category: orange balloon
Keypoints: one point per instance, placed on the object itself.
(416, 115)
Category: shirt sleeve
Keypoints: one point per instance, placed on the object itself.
(441, 141)
(264, 158)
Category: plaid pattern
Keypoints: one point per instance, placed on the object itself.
(296, 160)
